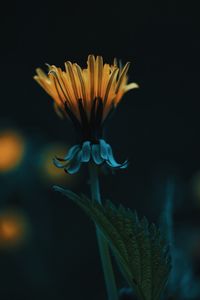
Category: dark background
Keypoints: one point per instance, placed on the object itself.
(157, 127)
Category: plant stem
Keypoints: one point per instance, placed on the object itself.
(102, 243)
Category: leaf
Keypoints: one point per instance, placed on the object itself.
(138, 247)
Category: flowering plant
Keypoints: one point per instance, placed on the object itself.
(87, 97)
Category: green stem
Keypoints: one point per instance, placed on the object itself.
(102, 243)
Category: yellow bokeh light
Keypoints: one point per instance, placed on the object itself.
(13, 228)
(49, 171)
(11, 150)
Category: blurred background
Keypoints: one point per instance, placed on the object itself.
(47, 245)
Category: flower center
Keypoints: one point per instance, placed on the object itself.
(89, 120)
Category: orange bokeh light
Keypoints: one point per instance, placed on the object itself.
(13, 229)
(11, 150)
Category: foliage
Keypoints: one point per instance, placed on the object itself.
(138, 247)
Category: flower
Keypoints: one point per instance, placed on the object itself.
(87, 97)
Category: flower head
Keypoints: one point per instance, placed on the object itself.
(87, 97)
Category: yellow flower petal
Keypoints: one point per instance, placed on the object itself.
(97, 80)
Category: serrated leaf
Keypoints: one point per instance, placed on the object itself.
(138, 247)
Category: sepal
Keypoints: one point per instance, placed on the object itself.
(99, 153)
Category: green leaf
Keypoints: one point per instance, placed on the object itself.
(138, 247)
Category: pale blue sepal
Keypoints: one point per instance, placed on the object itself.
(59, 164)
(103, 149)
(63, 162)
(118, 166)
(71, 153)
(86, 151)
(96, 154)
(111, 160)
(75, 164)
(124, 165)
